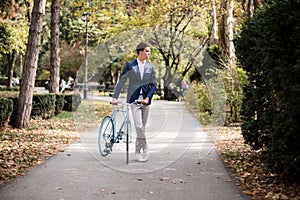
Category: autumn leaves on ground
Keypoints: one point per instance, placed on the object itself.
(23, 149)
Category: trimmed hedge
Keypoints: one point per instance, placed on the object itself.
(14, 110)
(9, 89)
(72, 101)
(44, 106)
(60, 102)
(6, 107)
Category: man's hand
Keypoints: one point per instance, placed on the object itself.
(114, 101)
(145, 101)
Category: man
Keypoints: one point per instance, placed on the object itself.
(142, 86)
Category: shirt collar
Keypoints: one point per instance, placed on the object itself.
(140, 62)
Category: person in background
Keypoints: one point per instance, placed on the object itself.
(16, 82)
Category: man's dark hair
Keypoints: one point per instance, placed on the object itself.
(141, 46)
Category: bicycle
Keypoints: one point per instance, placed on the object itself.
(108, 133)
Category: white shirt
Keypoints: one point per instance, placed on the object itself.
(141, 67)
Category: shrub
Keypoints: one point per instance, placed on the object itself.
(198, 101)
(9, 89)
(14, 109)
(43, 106)
(59, 103)
(72, 101)
(269, 50)
(6, 107)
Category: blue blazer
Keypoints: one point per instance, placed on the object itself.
(136, 84)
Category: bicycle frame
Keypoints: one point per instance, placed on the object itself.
(118, 133)
(114, 134)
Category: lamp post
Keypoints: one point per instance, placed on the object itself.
(85, 18)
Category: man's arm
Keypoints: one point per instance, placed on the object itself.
(121, 82)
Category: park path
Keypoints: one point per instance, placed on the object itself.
(183, 165)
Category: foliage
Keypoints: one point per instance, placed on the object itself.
(6, 107)
(72, 101)
(71, 61)
(21, 149)
(198, 101)
(234, 79)
(13, 117)
(249, 168)
(269, 50)
(14, 33)
(10, 89)
(59, 103)
(43, 106)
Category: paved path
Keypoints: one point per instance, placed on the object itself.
(183, 165)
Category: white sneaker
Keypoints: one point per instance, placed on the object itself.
(146, 154)
(139, 157)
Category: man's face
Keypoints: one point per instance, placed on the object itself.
(144, 55)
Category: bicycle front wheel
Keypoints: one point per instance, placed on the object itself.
(106, 136)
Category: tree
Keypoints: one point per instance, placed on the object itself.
(268, 49)
(214, 34)
(251, 5)
(13, 34)
(179, 35)
(54, 52)
(30, 65)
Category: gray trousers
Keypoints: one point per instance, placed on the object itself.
(140, 117)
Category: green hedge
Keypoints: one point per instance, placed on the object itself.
(44, 106)
(60, 102)
(14, 110)
(269, 50)
(72, 101)
(9, 89)
(6, 107)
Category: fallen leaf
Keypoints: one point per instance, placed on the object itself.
(164, 178)
(248, 192)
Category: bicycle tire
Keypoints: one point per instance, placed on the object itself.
(106, 136)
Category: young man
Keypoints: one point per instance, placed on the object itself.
(142, 85)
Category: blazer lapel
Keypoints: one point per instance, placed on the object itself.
(137, 71)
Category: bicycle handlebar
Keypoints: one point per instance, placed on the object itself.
(138, 102)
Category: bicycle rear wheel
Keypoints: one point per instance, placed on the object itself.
(106, 136)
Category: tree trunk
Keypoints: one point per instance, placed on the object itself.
(30, 65)
(214, 35)
(226, 40)
(229, 39)
(54, 53)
